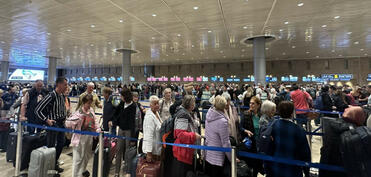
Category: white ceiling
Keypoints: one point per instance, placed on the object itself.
(86, 32)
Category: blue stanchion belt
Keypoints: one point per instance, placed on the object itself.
(211, 148)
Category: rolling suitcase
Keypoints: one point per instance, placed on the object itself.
(356, 152)
(30, 143)
(12, 146)
(106, 162)
(145, 169)
(42, 163)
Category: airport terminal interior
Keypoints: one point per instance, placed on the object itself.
(239, 88)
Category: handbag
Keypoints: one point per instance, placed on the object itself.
(145, 169)
(312, 115)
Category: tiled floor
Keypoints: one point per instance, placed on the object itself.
(7, 170)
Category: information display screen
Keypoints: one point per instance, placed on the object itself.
(191, 79)
(198, 79)
(87, 79)
(95, 79)
(177, 79)
(104, 79)
(221, 79)
(236, 80)
(80, 79)
(247, 79)
(185, 79)
(229, 80)
(205, 79)
(285, 79)
(369, 77)
(112, 79)
(27, 75)
(293, 79)
(214, 78)
(307, 79)
(73, 79)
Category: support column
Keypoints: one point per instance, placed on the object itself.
(259, 60)
(126, 65)
(52, 70)
(4, 71)
(259, 56)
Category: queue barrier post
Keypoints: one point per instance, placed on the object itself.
(100, 155)
(234, 162)
(19, 149)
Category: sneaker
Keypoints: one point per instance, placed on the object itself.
(59, 169)
(86, 174)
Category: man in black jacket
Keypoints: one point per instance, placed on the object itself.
(29, 103)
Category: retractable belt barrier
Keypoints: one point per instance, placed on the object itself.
(211, 148)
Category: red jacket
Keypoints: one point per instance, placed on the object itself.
(184, 134)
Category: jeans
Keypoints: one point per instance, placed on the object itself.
(301, 119)
(81, 155)
(56, 139)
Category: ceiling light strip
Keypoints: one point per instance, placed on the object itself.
(175, 14)
(132, 15)
(268, 17)
(223, 19)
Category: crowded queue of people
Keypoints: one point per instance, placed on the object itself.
(224, 126)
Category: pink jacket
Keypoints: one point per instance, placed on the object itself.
(75, 122)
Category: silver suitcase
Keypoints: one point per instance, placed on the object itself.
(42, 163)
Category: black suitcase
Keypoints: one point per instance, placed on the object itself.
(12, 146)
(106, 162)
(30, 143)
(356, 152)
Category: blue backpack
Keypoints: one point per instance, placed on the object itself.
(265, 141)
(318, 104)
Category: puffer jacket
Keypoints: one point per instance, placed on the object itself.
(184, 133)
(217, 134)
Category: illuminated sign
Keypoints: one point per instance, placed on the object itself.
(205, 79)
(87, 79)
(369, 77)
(95, 79)
(27, 75)
(103, 79)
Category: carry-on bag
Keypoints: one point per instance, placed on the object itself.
(42, 162)
(12, 146)
(145, 169)
(356, 152)
(106, 162)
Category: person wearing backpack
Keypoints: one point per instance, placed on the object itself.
(289, 141)
(324, 101)
(185, 132)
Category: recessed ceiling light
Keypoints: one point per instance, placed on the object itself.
(361, 49)
(267, 48)
(35, 51)
(349, 32)
(332, 51)
(317, 56)
(293, 47)
(91, 45)
(61, 48)
(130, 40)
(69, 30)
(109, 42)
(283, 53)
(286, 23)
(245, 27)
(153, 38)
(324, 26)
(121, 20)
(75, 46)
(92, 26)
(193, 45)
(195, 8)
(221, 51)
(179, 35)
(209, 31)
(48, 34)
(281, 30)
(224, 57)
(340, 55)
(2, 42)
(48, 50)
(356, 42)
(366, 54)
(336, 17)
(154, 15)
(307, 52)
(300, 4)
(242, 55)
(243, 50)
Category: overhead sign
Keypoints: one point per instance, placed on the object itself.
(27, 75)
(369, 77)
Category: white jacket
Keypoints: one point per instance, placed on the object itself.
(151, 134)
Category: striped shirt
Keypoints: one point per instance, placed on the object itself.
(52, 107)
